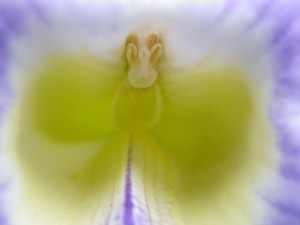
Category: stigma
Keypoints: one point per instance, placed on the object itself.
(142, 53)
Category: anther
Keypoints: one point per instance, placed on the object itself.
(143, 54)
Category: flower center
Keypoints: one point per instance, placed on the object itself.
(142, 54)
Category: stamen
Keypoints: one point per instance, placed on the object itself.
(142, 55)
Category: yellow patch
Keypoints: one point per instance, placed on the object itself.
(72, 101)
(195, 137)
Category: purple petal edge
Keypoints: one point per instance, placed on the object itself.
(285, 110)
(13, 17)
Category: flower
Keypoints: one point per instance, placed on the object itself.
(149, 114)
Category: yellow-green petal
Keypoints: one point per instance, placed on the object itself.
(71, 100)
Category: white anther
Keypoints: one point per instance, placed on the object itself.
(142, 57)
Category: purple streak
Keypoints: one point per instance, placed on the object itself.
(134, 212)
(291, 171)
(128, 218)
(111, 206)
(262, 11)
(287, 209)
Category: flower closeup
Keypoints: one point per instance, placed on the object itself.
(138, 113)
